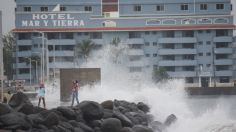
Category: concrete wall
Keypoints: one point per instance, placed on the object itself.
(86, 76)
(1, 57)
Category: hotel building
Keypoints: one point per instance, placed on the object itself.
(191, 39)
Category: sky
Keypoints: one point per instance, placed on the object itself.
(8, 6)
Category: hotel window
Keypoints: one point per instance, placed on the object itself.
(154, 43)
(147, 43)
(24, 70)
(221, 56)
(62, 8)
(200, 43)
(184, 7)
(188, 57)
(147, 32)
(188, 68)
(224, 79)
(134, 35)
(24, 48)
(96, 35)
(154, 55)
(169, 68)
(222, 68)
(137, 8)
(53, 35)
(208, 54)
(208, 42)
(88, 8)
(222, 45)
(160, 7)
(147, 55)
(220, 33)
(24, 36)
(203, 6)
(189, 80)
(67, 35)
(220, 6)
(44, 8)
(200, 54)
(187, 34)
(27, 9)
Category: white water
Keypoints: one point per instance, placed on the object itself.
(197, 114)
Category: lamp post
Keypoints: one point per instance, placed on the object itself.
(36, 69)
(30, 68)
(213, 65)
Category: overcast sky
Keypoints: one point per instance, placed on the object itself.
(8, 6)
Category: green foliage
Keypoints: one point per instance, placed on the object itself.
(160, 75)
(8, 49)
(84, 49)
(115, 41)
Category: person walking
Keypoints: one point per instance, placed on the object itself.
(41, 95)
(75, 89)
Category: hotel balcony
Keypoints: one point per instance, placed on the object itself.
(224, 73)
(176, 51)
(223, 50)
(24, 53)
(177, 62)
(98, 41)
(136, 52)
(224, 62)
(61, 53)
(23, 76)
(61, 65)
(223, 39)
(23, 65)
(61, 42)
(24, 42)
(178, 40)
(183, 74)
(135, 41)
(139, 63)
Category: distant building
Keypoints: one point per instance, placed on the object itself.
(191, 39)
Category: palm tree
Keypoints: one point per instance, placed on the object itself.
(160, 74)
(36, 60)
(115, 41)
(8, 49)
(84, 49)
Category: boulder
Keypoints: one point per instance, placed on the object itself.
(107, 113)
(107, 104)
(91, 110)
(137, 117)
(157, 126)
(18, 100)
(66, 125)
(170, 120)
(126, 129)
(78, 129)
(143, 107)
(51, 120)
(67, 112)
(85, 127)
(27, 108)
(125, 121)
(4, 109)
(111, 125)
(140, 128)
(96, 123)
(15, 120)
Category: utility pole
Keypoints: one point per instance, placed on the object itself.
(213, 65)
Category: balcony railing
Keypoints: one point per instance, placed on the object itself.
(176, 51)
(224, 62)
(223, 39)
(135, 41)
(178, 40)
(177, 63)
(183, 74)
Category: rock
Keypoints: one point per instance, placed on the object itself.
(137, 117)
(97, 129)
(66, 125)
(35, 119)
(4, 109)
(27, 109)
(15, 120)
(67, 112)
(170, 120)
(127, 106)
(78, 129)
(96, 123)
(85, 127)
(111, 125)
(107, 113)
(107, 104)
(140, 128)
(91, 110)
(18, 100)
(143, 107)
(157, 126)
(126, 129)
(51, 120)
(125, 121)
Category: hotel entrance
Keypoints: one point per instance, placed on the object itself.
(205, 81)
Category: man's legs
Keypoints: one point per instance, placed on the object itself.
(39, 101)
(77, 98)
(73, 97)
(44, 104)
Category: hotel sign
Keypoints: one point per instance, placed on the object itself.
(52, 20)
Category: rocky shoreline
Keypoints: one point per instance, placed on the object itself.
(20, 115)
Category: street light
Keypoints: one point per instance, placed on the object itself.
(30, 69)
(36, 69)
